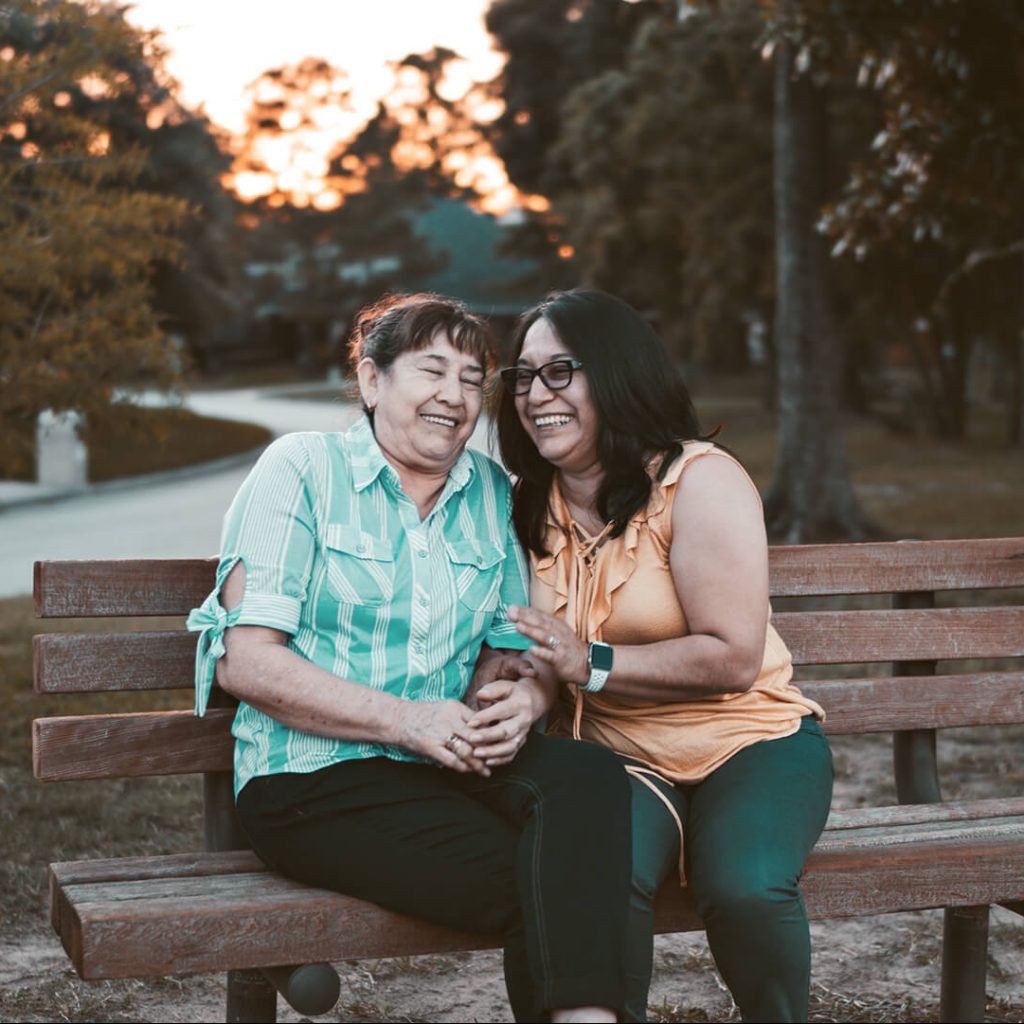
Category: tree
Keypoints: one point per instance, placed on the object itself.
(336, 215)
(666, 164)
(941, 189)
(78, 236)
(660, 165)
(811, 496)
(552, 49)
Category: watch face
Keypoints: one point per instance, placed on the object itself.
(601, 656)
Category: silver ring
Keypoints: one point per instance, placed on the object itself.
(552, 642)
(449, 744)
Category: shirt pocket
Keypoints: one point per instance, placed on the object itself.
(477, 570)
(360, 566)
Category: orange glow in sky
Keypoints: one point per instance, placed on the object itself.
(216, 49)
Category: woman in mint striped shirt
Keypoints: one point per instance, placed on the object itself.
(384, 743)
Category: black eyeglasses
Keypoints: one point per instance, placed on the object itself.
(555, 375)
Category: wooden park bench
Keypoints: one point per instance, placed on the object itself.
(220, 909)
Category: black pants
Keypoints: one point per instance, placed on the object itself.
(539, 852)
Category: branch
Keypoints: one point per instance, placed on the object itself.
(37, 326)
(969, 265)
(32, 87)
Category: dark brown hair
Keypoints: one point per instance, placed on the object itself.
(396, 324)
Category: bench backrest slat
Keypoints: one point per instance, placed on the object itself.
(96, 662)
(173, 586)
(839, 637)
(91, 662)
(901, 567)
(175, 742)
(884, 703)
(128, 745)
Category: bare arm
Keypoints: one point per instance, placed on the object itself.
(719, 563)
(260, 669)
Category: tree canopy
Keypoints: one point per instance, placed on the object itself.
(79, 236)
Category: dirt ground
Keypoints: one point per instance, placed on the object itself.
(866, 969)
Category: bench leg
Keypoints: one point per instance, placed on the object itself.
(251, 998)
(964, 964)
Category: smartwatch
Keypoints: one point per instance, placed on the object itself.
(599, 661)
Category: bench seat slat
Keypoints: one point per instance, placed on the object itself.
(170, 865)
(123, 869)
(89, 662)
(197, 923)
(864, 818)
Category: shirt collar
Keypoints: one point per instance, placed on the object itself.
(368, 461)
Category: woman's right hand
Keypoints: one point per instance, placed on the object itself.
(439, 730)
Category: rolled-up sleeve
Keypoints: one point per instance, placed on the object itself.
(270, 529)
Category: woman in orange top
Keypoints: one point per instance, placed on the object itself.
(649, 603)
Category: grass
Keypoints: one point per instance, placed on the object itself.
(913, 487)
(136, 440)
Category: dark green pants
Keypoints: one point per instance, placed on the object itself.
(537, 852)
(749, 827)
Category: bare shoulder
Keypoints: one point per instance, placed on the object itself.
(715, 484)
(719, 549)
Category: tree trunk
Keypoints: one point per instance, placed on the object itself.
(811, 497)
(1016, 410)
(953, 357)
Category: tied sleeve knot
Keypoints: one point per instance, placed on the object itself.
(209, 620)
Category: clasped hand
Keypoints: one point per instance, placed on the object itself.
(483, 733)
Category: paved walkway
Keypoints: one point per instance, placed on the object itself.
(170, 515)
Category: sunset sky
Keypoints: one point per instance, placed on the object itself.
(219, 46)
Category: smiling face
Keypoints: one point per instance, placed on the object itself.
(562, 424)
(425, 404)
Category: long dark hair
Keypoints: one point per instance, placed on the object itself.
(643, 409)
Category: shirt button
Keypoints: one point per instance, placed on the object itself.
(422, 553)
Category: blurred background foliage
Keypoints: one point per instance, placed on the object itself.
(823, 197)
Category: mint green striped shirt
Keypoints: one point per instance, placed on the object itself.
(336, 556)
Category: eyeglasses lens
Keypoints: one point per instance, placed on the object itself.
(555, 375)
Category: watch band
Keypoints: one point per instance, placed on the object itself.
(599, 661)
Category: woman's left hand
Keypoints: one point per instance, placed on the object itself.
(507, 710)
(556, 644)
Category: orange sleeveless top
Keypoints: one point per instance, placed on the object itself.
(622, 591)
